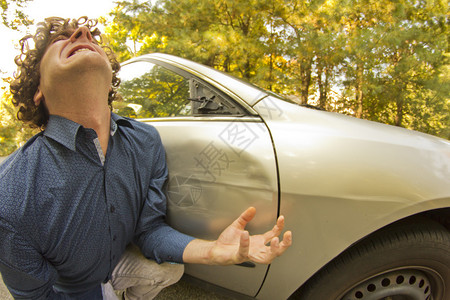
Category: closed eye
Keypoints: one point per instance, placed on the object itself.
(59, 38)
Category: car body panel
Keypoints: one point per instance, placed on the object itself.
(342, 179)
(335, 178)
(219, 166)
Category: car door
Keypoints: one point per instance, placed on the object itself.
(220, 158)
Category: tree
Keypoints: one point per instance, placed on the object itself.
(12, 14)
(383, 60)
(158, 92)
(298, 17)
(408, 61)
(12, 132)
(229, 35)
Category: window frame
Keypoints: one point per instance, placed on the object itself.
(242, 111)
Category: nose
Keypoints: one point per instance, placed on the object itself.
(80, 33)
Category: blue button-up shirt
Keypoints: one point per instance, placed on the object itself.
(67, 213)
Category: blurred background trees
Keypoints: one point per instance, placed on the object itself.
(386, 61)
(12, 13)
(12, 132)
(380, 60)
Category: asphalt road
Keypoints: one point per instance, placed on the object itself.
(181, 290)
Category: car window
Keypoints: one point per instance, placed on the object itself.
(149, 90)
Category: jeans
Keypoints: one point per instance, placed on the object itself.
(139, 277)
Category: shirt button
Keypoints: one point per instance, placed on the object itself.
(112, 209)
(114, 238)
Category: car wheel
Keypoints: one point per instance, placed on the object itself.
(407, 261)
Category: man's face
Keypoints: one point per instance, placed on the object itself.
(69, 59)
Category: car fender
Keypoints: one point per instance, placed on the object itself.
(341, 179)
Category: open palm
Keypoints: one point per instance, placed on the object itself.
(235, 245)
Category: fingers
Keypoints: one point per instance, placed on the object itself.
(274, 246)
(245, 217)
(287, 241)
(276, 230)
(266, 254)
(277, 248)
(244, 247)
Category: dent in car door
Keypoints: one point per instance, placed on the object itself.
(218, 168)
(218, 164)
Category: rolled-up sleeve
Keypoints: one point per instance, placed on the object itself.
(153, 235)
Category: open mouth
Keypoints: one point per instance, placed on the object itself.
(79, 50)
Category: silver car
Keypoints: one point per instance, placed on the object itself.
(368, 204)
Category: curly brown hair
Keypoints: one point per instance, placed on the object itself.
(27, 78)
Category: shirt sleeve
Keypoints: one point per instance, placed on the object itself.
(26, 274)
(154, 236)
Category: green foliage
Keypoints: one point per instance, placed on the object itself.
(155, 93)
(386, 61)
(13, 133)
(381, 60)
(12, 14)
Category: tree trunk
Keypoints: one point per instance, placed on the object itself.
(226, 64)
(270, 79)
(247, 69)
(399, 115)
(359, 90)
(326, 88)
(305, 76)
(323, 85)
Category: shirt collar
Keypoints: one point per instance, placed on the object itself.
(64, 131)
(118, 120)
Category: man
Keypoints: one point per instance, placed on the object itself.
(82, 203)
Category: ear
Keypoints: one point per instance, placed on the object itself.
(38, 97)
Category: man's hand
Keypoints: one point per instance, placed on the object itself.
(235, 246)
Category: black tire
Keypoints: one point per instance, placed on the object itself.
(410, 260)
